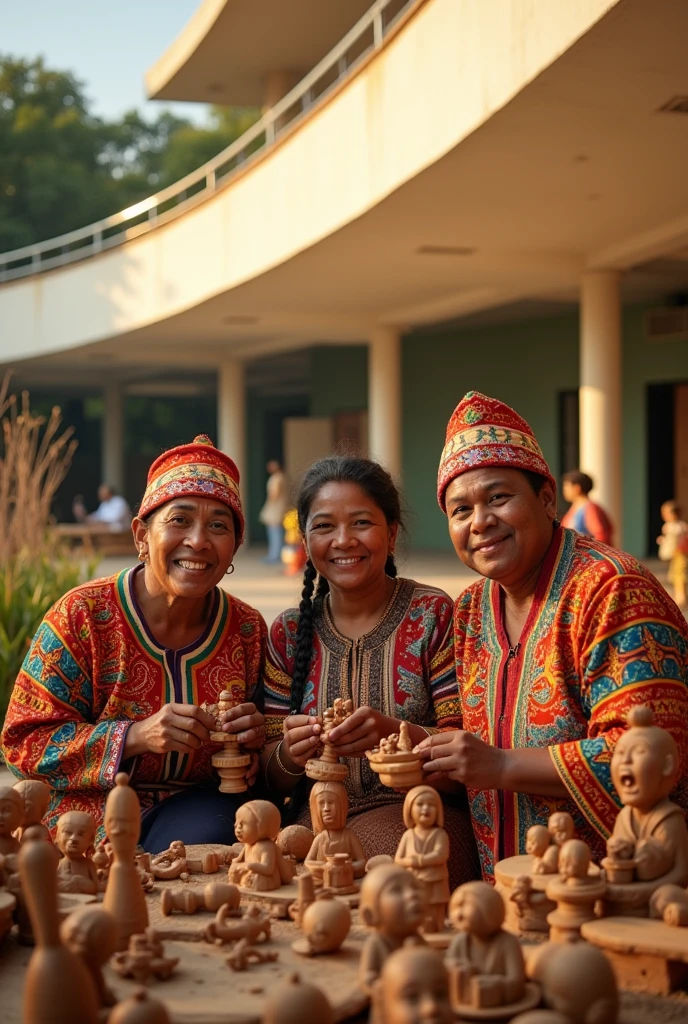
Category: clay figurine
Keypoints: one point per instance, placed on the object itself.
(645, 767)
(91, 933)
(254, 926)
(561, 828)
(530, 906)
(260, 865)
(174, 862)
(413, 988)
(577, 982)
(575, 892)
(485, 962)
(338, 876)
(58, 987)
(36, 797)
(424, 850)
(295, 1002)
(76, 871)
(230, 762)
(669, 903)
(327, 767)
(392, 903)
(295, 841)
(11, 815)
(124, 896)
(139, 1009)
(538, 842)
(329, 805)
(144, 958)
(102, 859)
(325, 924)
(244, 954)
(188, 901)
(8, 902)
(395, 760)
(306, 896)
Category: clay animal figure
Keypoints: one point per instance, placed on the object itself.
(577, 982)
(413, 988)
(575, 892)
(538, 842)
(139, 1009)
(244, 954)
(327, 767)
(144, 958)
(424, 850)
(76, 871)
(254, 926)
(260, 865)
(485, 962)
(91, 933)
(36, 797)
(124, 896)
(188, 901)
(58, 987)
(296, 1002)
(392, 903)
(11, 815)
(230, 762)
(329, 805)
(325, 924)
(669, 903)
(295, 841)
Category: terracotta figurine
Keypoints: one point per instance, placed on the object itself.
(144, 958)
(325, 925)
(230, 762)
(188, 901)
(139, 1009)
(295, 841)
(91, 933)
(669, 903)
(575, 892)
(577, 982)
(306, 896)
(11, 815)
(244, 954)
(260, 865)
(413, 988)
(396, 760)
(295, 1002)
(329, 806)
(254, 926)
(76, 871)
(531, 906)
(171, 863)
(124, 896)
(36, 797)
(561, 828)
(102, 859)
(485, 962)
(538, 842)
(392, 903)
(327, 767)
(424, 850)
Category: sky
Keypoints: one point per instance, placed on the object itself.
(108, 44)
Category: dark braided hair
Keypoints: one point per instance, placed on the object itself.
(378, 485)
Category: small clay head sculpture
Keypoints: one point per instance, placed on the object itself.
(295, 841)
(123, 817)
(258, 819)
(413, 988)
(423, 807)
(329, 806)
(574, 859)
(325, 924)
(560, 827)
(11, 810)
(391, 901)
(578, 982)
(477, 908)
(645, 763)
(139, 1009)
(75, 833)
(537, 840)
(36, 797)
(91, 933)
(296, 1002)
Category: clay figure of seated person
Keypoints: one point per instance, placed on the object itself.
(36, 797)
(261, 864)
(329, 805)
(76, 872)
(11, 814)
(486, 961)
(539, 843)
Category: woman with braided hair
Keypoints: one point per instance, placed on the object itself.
(360, 632)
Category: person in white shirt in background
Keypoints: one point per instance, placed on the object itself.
(274, 510)
(113, 510)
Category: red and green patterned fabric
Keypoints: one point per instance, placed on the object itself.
(94, 668)
(602, 635)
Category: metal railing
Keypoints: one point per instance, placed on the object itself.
(367, 35)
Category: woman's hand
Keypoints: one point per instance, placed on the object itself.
(247, 723)
(463, 757)
(361, 731)
(180, 727)
(301, 739)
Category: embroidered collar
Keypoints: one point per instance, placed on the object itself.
(389, 621)
(133, 612)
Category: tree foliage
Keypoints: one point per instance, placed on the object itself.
(61, 167)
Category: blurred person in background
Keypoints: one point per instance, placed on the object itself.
(113, 510)
(274, 510)
(673, 548)
(585, 516)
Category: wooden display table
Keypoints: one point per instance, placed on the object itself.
(647, 956)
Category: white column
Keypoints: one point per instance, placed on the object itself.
(112, 440)
(231, 416)
(384, 398)
(600, 388)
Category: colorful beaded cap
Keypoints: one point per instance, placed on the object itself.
(197, 470)
(483, 431)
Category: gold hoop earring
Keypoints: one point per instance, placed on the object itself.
(143, 557)
(230, 570)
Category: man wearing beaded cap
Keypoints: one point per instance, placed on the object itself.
(119, 668)
(561, 637)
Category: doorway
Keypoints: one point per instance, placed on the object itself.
(667, 453)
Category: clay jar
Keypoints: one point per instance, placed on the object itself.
(325, 924)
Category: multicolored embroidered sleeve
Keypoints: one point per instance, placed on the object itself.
(632, 650)
(279, 669)
(441, 665)
(51, 731)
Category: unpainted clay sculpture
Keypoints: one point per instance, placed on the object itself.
(327, 767)
(296, 1002)
(254, 926)
(11, 814)
(413, 988)
(644, 767)
(243, 954)
(306, 895)
(530, 906)
(144, 958)
(8, 902)
(338, 876)
(561, 828)
(424, 850)
(261, 865)
(230, 762)
(325, 924)
(575, 892)
(485, 962)
(395, 760)
(669, 903)
(577, 982)
(58, 987)
(188, 901)
(124, 896)
(174, 862)
(102, 859)
(295, 841)
(329, 806)
(76, 872)
(36, 797)
(392, 903)
(139, 1009)
(91, 933)
(538, 842)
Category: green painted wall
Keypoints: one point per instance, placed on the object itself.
(340, 379)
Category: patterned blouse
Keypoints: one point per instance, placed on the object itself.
(94, 668)
(403, 668)
(602, 635)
